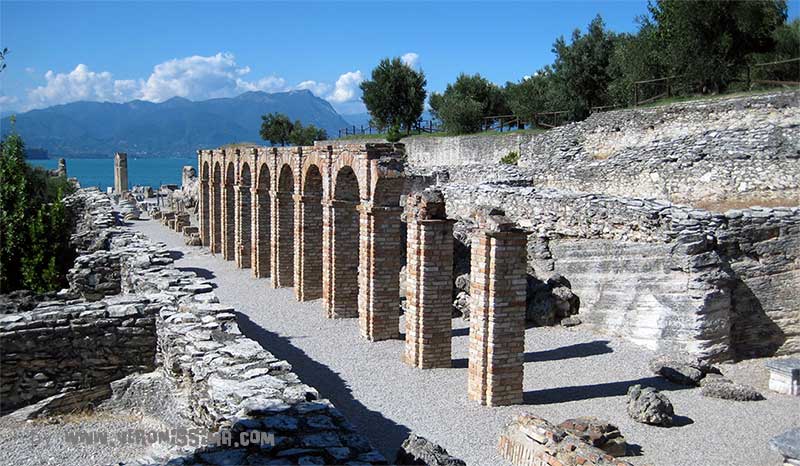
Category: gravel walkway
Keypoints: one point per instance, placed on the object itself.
(568, 373)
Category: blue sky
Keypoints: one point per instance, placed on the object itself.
(117, 51)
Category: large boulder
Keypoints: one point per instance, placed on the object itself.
(649, 406)
(461, 305)
(417, 450)
(551, 301)
(682, 369)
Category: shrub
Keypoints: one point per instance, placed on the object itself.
(512, 158)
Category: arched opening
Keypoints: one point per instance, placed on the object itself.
(344, 223)
(244, 220)
(308, 267)
(205, 209)
(216, 210)
(229, 214)
(261, 225)
(283, 270)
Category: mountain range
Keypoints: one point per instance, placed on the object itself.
(175, 127)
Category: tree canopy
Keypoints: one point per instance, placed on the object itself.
(395, 96)
(465, 103)
(277, 128)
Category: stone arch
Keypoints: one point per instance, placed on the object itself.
(262, 224)
(343, 222)
(283, 234)
(205, 208)
(229, 214)
(216, 209)
(244, 213)
(308, 250)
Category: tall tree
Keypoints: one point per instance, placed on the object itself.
(582, 66)
(395, 96)
(465, 103)
(709, 41)
(306, 135)
(535, 94)
(276, 128)
(636, 57)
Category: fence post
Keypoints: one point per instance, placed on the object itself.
(669, 88)
(749, 82)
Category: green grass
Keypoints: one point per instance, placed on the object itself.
(442, 134)
(353, 137)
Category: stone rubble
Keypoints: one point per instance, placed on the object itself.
(649, 406)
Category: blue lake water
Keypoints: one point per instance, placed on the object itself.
(142, 172)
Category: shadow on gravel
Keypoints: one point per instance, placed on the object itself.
(175, 255)
(601, 390)
(579, 350)
(461, 332)
(385, 434)
(202, 273)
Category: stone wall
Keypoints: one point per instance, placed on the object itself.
(169, 320)
(669, 277)
(740, 151)
(715, 154)
(457, 150)
(60, 347)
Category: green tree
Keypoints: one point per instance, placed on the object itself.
(710, 41)
(465, 103)
(306, 135)
(395, 96)
(787, 45)
(539, 93)
(636, 57)
(581, 66)
(14, 202)
(3, 54)
(276, 128)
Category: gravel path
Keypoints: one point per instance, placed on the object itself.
(40, 442)
(568, 373)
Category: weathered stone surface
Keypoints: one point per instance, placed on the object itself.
(681, 368)
(417, 450)
(728, 390)
(648, 406)
(787, 444)
(598, 433)
(530, 440)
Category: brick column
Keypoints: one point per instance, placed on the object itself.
(308, 247)
(261, 232)
(429, 282)
(205, 212)
(216, 216)
(379, 267)
(243, 227)
(340, 253)
(228, 221)
(497, 316)
(282, 239)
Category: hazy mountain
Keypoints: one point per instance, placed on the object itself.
(176, 127)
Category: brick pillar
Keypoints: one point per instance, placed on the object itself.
(282, 257)
(429, 282)
(205, 211)
(261, 232)
(378, 278)
(216, 216)
(308, 247)
(228, 221)
(340, 253)
(497, 316)
(244, 226)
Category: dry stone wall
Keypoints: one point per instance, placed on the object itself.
(669, 277)
(169, 320)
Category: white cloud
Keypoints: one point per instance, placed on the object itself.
(30, 70)
(195, 77)
(317, 88)
(80, 84)
(346, 88)
(411, 59)
(6, 100)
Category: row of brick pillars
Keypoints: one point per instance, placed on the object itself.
(348, 253)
